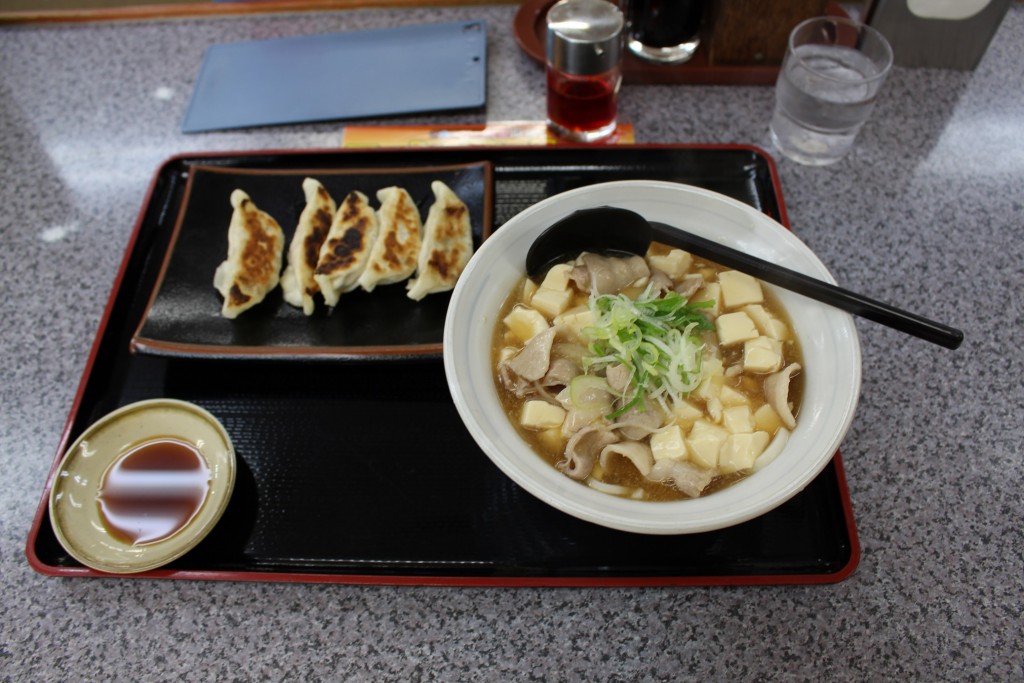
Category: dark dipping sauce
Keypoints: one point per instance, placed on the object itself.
(153, 491)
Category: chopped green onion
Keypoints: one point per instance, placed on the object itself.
(589, 391)
(656, 338)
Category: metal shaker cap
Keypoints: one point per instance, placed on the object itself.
(584, 36)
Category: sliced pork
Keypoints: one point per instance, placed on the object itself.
(608, 274)
(533, 361)
(689, 478)
(583, 449)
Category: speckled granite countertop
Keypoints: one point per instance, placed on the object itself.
(926, 213)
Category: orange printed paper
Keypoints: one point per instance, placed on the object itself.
(488, 134)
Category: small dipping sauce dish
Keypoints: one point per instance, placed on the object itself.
(142, 486)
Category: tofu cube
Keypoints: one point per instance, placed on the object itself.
(766, 419)
(704, 442)
(731, 397)
(551, 302)
(575, 320)
(763, 354)
(685, 414)
(738, 419)
(529, 287)
(541, 415)
(668, 444)
(712, 364)
(714, 406)
(552, 439)
(739, 289)
(776, 329)
(558, 277)
(759, 314)
(711, 385)
(741, 450)
(766, 323)
(525, 323)
(674, 264)
(711, 291)
(734, 328)
(714, 377)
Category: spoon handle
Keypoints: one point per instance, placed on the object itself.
(857, 304)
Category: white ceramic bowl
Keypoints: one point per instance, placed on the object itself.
(828, 339)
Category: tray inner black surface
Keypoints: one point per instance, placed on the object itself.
(366, 468)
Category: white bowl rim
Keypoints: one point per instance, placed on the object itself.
(740, 502)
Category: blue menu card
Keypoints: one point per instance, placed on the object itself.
(331, 76)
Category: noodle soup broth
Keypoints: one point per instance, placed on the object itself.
(667, 377)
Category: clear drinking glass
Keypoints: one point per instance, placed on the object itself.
(827, 87)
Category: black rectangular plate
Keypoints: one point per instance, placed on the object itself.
(184, 313)
(364, 472)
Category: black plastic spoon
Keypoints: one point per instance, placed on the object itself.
(613, 230)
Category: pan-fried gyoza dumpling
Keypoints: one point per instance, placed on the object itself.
(253, 266)
(297, 281)
(346, 251)
(447, 244)
(394, 253)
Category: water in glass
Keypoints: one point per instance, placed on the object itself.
(824, 95)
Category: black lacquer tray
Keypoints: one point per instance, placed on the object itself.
(362, 472)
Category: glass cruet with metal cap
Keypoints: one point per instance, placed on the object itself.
(584, 68)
